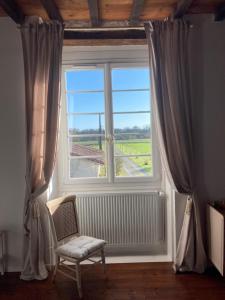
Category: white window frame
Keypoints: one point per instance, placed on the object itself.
(110, 183)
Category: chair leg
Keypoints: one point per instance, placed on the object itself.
(78, 279)
(56, 268)
(103, 260)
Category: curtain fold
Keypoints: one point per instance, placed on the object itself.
(42, 50)
(169, 65)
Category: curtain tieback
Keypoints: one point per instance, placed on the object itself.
(189, 205)
(35, 209)
(32, 204)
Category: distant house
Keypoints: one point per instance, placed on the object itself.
(81, 150)
(89, 165)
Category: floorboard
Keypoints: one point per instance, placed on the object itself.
(155, 281)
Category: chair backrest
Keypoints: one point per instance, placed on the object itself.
(64, 216)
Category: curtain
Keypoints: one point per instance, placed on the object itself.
(42, 50)
(169, 65)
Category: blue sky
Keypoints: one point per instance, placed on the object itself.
(123, 101)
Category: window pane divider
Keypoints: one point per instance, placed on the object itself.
(132, 90)
(109, 123)
(85, 157)
(132, 112)
(133, 155)
(127, 133)
(86, 135)
(83, 91)
(85, 113)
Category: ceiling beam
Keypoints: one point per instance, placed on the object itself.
(182, 8)
(136, 11)
(52, 10)
(94, 12)
(112, 42)
(104, 24)
(13, 10)
(220, 12)
(105, 35)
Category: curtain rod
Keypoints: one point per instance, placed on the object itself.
(96, 29)
(119, 28)
(89, 29)
(103, 28)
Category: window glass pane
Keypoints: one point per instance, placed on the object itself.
(131, 120)
(131, 101)
(136, 122)
(130, 78)
(128, 145)
(86, 124)
(133, 166)
(93, 167)
(87, 146)
(85, 102)
(86, 79)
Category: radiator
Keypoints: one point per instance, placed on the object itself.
(130, 223)
(215, 222)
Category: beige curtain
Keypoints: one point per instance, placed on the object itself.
(42, 49)
(168, 53)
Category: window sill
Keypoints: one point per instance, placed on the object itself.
(147, 185)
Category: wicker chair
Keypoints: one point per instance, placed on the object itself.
(70, 246)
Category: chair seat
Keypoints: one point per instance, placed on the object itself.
(80, 247)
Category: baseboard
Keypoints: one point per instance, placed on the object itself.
(135, 259)
(116, 260)
(138, 259)
(13, 269)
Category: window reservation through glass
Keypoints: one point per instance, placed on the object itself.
(109, 126)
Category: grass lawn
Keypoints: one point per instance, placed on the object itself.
(133, 147)
(145, 163)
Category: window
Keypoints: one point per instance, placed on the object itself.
(85, 94)
(107, 131)
(131, 122)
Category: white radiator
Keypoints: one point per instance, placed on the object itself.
(215, 222)
(130, 223)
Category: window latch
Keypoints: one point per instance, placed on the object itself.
(110, 138)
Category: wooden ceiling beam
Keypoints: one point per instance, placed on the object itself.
(93, 6)
(52, 10)
(220, 13)
(13, 10)
(104, 24)
(105, 35)
(182, 8)
(105, 42)
(136, 11)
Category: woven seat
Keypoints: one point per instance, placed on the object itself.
(80, 247)
(70, 246)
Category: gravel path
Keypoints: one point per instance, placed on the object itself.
(129, 166)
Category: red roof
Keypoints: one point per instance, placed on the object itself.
(81, 150)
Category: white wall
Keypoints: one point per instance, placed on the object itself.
(12, 140)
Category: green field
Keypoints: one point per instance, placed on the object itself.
(132, 147)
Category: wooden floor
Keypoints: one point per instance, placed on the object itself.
(155, 281)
